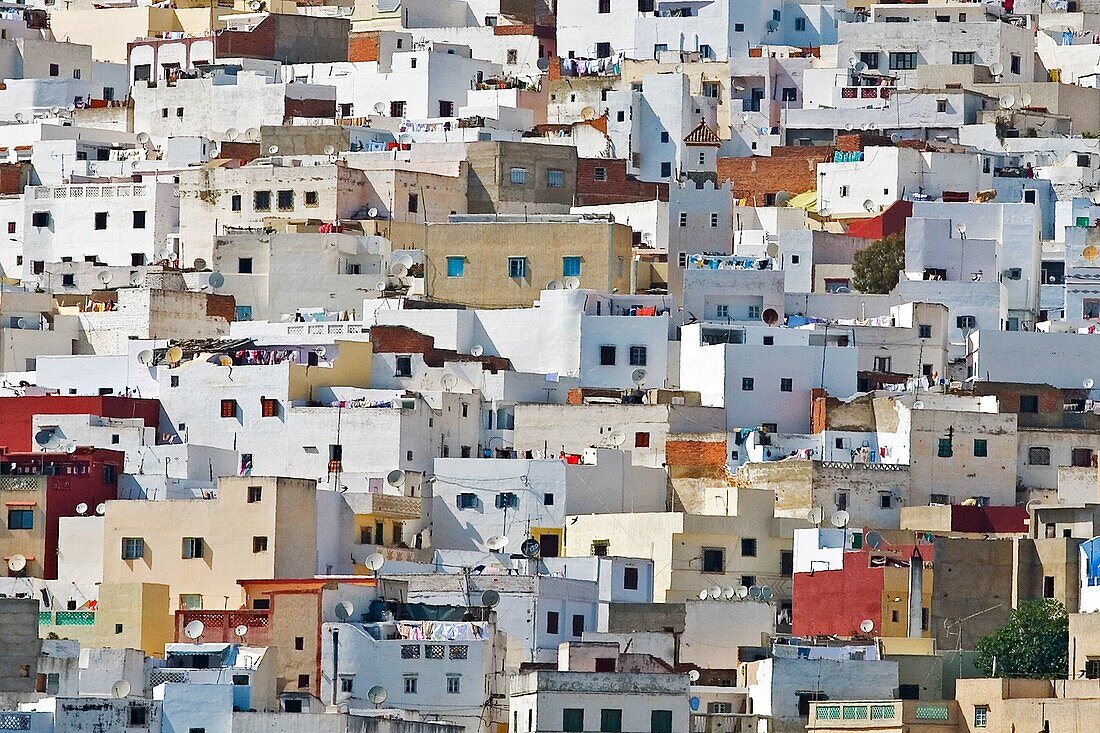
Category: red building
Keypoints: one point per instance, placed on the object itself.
(37, 489)
(17, 413)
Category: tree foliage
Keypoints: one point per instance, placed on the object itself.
(876, 268)
(1033, 644)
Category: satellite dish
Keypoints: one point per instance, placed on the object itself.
(241, 631)
(136, 278)
(1025, 100)
(996, 68)
(769, 316)
(772, 26)
(120, 689)
(82, 509)
(782, 197)
(232, 134)
(216, 280)
(554, 285)
(194, 629)
(330, 150)
(377, 694)
(380, 286)
(379, 107)
(104, 276)
(100, 508)
(255, 6)
(396, 478)
(70, 447)
(716, 592)
(866, 626)
(617, 438)
(704, 594)
(16, 563)
(693, 675)
(918, 405)
(873, 539)
(20, 322)
(572, 283)
(729, 592)
(225, 360)
(497, 542)
(143, 138)
(448, 381)
(766, 593)
(869, 205)
(43, 437)
(19, 117)
(840, 519)
(543, 64)
(742, 592)
(1007, 101)
(374, 561)
(174, 355)
(320, 351)
(252, 133)
(638, 376)
(272, 149)
(200, 263)
(772, 250)
(588, 113)
(755, 592)
(895, 137)
(859, 67)
(344, 610)
(530, 548)
(816, 515)
(55, 110)
(490, 598)
(372, 213)
(1088, 383)
(477, 350)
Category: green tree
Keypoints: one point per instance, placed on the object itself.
(876, 267)
(1033, 644)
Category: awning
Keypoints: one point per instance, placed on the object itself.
(807, 201)
(21, 503)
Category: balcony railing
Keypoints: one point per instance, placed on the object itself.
(66, 618)
(221, 626)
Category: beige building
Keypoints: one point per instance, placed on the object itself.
(256, 527)
(693, 552)
(494, 262)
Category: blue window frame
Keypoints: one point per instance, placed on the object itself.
(456, 266)
(571, 266)
(517, 267)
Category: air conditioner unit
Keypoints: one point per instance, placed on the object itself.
(1013, 273)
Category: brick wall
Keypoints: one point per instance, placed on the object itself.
(789, 168)
(695, 458)
(13, 177)
(404, 340)
(310, 108)
(241, 151)
(619, 188)
(363, 46)
(258, 43)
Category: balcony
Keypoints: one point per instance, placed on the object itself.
(882, 714)
(727, 723)
(221, 626)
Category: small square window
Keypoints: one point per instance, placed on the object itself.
(638, 356)
(101, 220)
(454, 684)
(786, 384)
(139, 220)
(284, 200)
(747, 384)
(641, 439)
(456, 266)
(192, 548)
(607, 355)
(229, 408)
(666, 169)
(714, 560)
(748, 547)
(261, 200)
(599, 174)
(259, 544)
(410, 685)
(244, 265)
(518, 176)
(555, 179)
(981, 448)
(517, 267)
(945, 449)
(571, 266)
(303, 681)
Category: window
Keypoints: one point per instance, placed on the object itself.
(599, 174)
(748, 547)
(924, 331)
(1081, 457)
(506, 500)
(790, 94)
(68, 280)
(192, 548)
(600, 548)
(284, 200)
(261, 200)
(611, 720)
(738, 27)
(466, 501)
(414, 203)
(548, 499)
(268, 408)
(660, 721)
(55, 70)
(410, 651)
(843, 191)
(137, 715)
(962, 58)
(578, 624)
(259, 544)
(518, 176)
(666, 169)
(454, 684)
(20, 519)
(903, 60)
(403, 366)
(458, 651)
(555, 179)
(603, 6)
(101, 220)
(981, 448)
(1037, 456)
(456, 266)
(1029, 403)
(229, 408)
(966, 322)
(570, 266)
(1092, 669)
(311, 198)
(517, 267)
(572, 720)
(683, 219)
(244, 265)
(1014, 63)
(981, 716)
(40, 219)
(551, 622)
(179, 112)
(133, 548)
(397, 109)
(714, 560)
(607, 355)
(714, 221)
(603, 49)
(139, 220)
(871, 58)
(641, 440)
(786, 384)
(235, 202)
(446, 108)
(885, 500)
(747, 384)
(637, 356)
(711, 89)
(944, 450)
(347, 684)
(630, 578)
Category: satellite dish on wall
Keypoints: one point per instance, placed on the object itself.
(448, 381)
(572, 283)
(543, 64)
(374, 561)
(136, 278)
(377, 694)
(16, 563)
(772, 250)
(1088, 383)
(379, 107)
(769, 316)
(530, 548)
(43, 437)
(996, 68)
(617, 438)
(194, 629)
(372, 213)
(840, 519)
(816, 515)
(755, 593)
(715, 592)
(693, 675)
(241, 631)
(81, 509)
(742, 592)
(490, 598)
(766, 593)
(477, 350)
(1025, 100)
(216, 280)
(859, 67)
(729, 592)
(554, 285)
(344, 610)
(143, 138)
(1007, 101)
(232, 134)
(396, 478)
(100, 509)
(199, 263)
(174, 355)
(782, 197)
(866, 626)
(869, 205)
(588, 113)
(329, 150)
(704, 594)
(253, 133)
(496, 543)
(70, 447)
(638, 376)
(873, 539)
(272, 149)
(104, 276)
(120, 689)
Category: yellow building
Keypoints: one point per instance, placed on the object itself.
(502, 262)
(257, 527)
